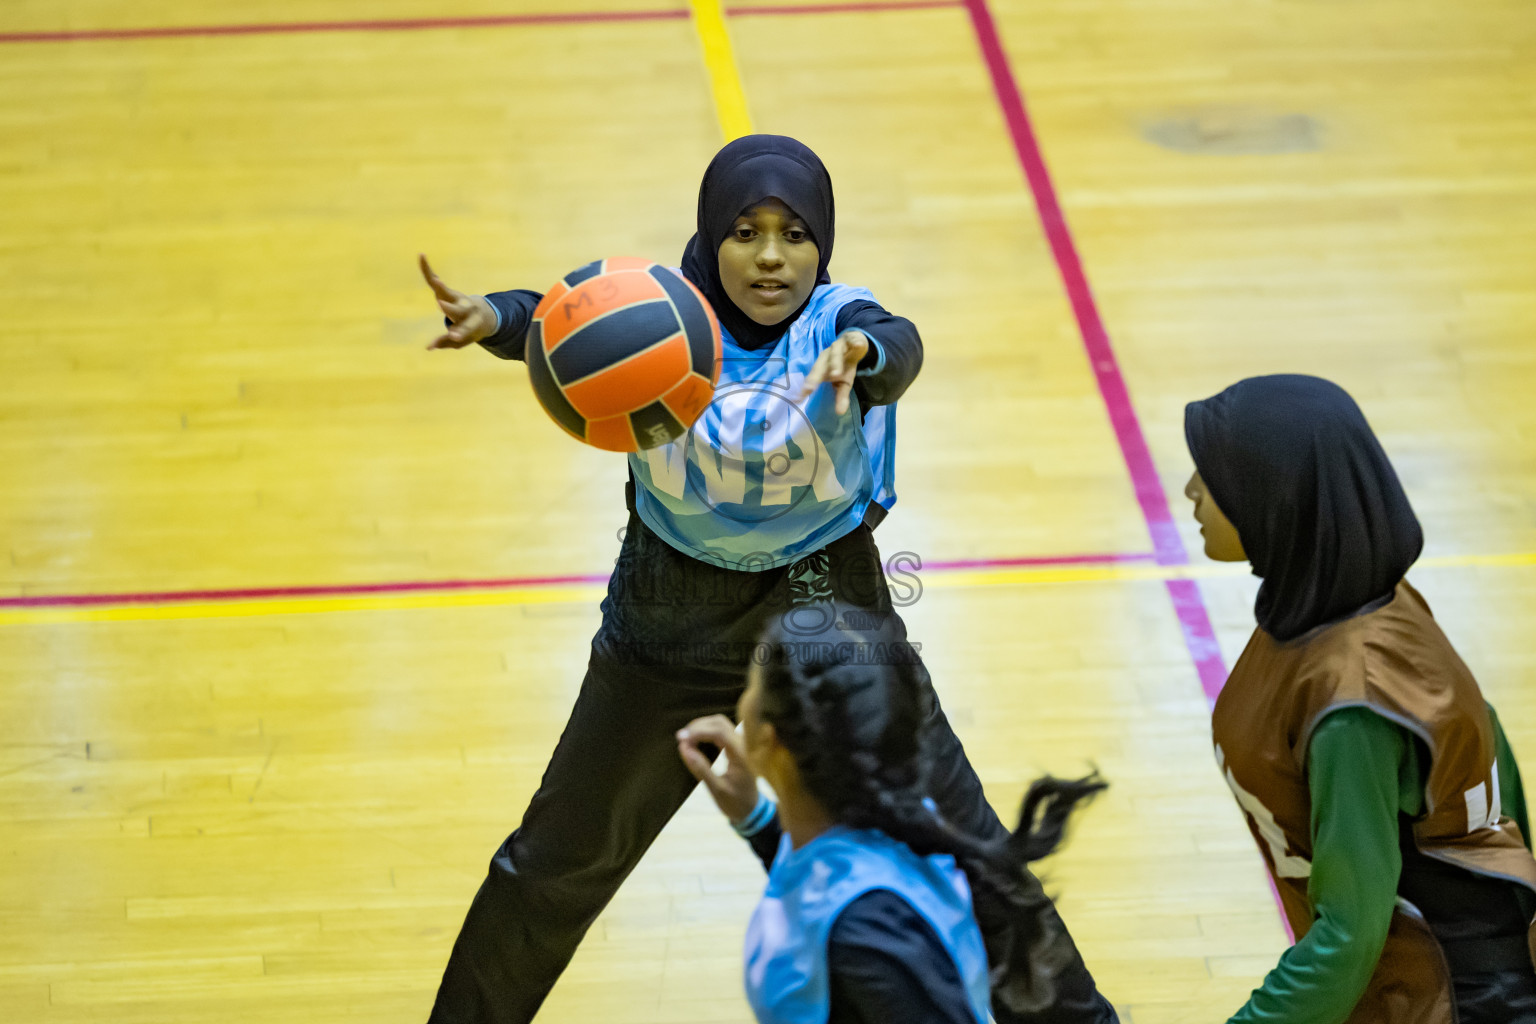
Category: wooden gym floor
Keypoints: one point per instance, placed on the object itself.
(292, 610)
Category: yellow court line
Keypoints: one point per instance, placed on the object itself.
(1078, 574)
(724, 76)
(1512, 561)
(504, 596)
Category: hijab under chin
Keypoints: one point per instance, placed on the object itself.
(1321, 514)
(743, 174)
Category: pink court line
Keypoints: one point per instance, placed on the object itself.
(390, 25)
(1188, 605)
(480, 21)
(1033, 563)
(167, 597)
(1194, 620)
(275, 593)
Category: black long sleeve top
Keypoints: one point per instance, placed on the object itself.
(885, 962)
(896, 337)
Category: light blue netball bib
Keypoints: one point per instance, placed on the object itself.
(763, 478)
(786, 952)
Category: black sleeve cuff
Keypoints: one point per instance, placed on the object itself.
(765, 842)
(895, 338)
(516, 310)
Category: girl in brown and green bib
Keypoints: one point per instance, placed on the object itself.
(1374, 777)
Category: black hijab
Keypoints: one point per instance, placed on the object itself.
(1321, 514)
(741, 175)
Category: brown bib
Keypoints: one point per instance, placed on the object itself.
(1397, 662)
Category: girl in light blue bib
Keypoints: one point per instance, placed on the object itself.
(868, 914)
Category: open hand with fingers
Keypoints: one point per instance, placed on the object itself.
(837, 365)
(470, 317)
(735, 790)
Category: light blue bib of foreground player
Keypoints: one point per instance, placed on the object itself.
(763, 478)
(787, 980)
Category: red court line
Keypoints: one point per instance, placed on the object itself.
(1033, 563)
(480, 21)
(272, 593)
(1194, 620)
(386, 25)
(501, 583)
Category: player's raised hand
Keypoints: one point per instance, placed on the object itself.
(470, 317)
(837, 366)
(735, 790)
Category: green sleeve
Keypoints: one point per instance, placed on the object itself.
(1511, 793)
(1358, 765)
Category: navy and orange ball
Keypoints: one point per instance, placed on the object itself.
(624, 354)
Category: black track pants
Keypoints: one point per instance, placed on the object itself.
(674, 644)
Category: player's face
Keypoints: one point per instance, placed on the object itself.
(1221, 540)
(767, 758)
(768, 262)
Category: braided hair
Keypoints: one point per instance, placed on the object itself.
(853, 714)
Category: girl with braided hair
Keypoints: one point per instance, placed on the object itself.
(868, 914)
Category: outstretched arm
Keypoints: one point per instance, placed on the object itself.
(896, 352)
(876, 355)
(498, 321)
(514, 312)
